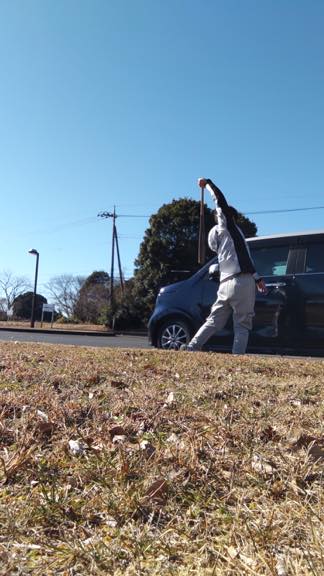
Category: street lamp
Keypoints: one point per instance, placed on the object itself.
(32, 320)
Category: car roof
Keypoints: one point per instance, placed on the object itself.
(288, 235)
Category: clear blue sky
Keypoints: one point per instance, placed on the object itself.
(128, 102)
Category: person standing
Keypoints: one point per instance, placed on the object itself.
(238, 277)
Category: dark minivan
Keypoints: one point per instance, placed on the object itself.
(289, 319)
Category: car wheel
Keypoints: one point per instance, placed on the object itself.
(172, 334)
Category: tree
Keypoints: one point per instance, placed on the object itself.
(3, 309)
(11, 287)
(128, 309)
(65, 291)
(22, 305)
(170, 246)
(92, 303)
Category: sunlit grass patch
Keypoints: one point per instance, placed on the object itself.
(150, 462)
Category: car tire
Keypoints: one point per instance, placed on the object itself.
(172, 334)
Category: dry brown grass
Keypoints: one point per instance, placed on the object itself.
(181, 463)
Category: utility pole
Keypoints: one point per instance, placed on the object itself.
(112, 302)
(119, 263)
(113, 215)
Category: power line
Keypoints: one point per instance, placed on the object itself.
(286, 210)
(280, 210)
(93, 219)
(81, 222)
(126, 237)
(134, 215)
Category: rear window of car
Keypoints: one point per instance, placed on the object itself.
(270, 261)
(315, 258)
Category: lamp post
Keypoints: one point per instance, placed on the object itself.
(32, 320)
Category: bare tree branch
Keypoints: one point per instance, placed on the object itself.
(64, 291)
(12, 286)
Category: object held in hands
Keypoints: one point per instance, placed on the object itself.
(201, 238)
(202, 182)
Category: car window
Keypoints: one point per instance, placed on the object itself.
(270, 261)
(315, 258)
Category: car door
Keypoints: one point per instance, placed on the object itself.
(274, 322)
(310, 284)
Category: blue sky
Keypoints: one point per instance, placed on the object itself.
(128, 102)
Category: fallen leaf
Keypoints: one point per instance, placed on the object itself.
(281, 565)
(97, 447)
(293, 435)
(278, 488)
(296, 402)
(303, 441)
(42, 415)
(227, 474)
(169, 400)
(317, 451)
(118, 384)
(111, 522)
(147, 447)
(157, 491)
(259, 464)
(173, 474)
(16, 461)
(76, 448)
(232, 552)
(173, 438)
(247, 560)
(235, 553)
(119, 438)
(269, 434)
(45, 427)
(117, 431)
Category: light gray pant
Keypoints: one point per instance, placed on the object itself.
(235, 296)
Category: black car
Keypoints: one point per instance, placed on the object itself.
(290, 319)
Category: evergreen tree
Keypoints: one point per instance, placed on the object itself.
(22, 306)
(93, 299)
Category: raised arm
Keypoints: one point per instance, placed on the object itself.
(215, 192)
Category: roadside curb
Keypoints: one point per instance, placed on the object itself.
(131, 333)
(61, 332)
(74, 332)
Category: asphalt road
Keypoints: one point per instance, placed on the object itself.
(120, 341)
(76, 340)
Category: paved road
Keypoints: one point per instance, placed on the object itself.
(125, 341)
(76, 340)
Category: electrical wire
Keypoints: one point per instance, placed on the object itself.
(93, 219)
(277, 211)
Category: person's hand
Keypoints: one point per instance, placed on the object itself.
(261, 286)
(202, 182)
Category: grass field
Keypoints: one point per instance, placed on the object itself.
(159, 463)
